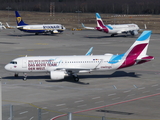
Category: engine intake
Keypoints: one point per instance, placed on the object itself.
(57, 75)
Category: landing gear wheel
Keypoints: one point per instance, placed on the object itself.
(16, 75)
(76, 78)
(112, 35)
(25, 77)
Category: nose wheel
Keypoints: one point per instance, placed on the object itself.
(25, 77)
(16, 75)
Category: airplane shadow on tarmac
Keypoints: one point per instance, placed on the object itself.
(25, 35)
(101, 37)
(70, 78)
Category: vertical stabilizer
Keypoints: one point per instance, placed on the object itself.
(99, 21)
(100, 24)
(19, 19)
(138, 51)
(140, 46)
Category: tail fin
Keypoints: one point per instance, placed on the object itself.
(100, 24)
(140, 46)
(19, 19)
(99, 21)
(137, 53)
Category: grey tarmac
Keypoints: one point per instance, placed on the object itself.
(93, 90)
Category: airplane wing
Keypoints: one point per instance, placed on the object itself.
(2, 26)
(145, 27)
(89, 51)
(74, 70)
(90, 28)
(10, 27)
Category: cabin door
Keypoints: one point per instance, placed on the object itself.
(24, 63)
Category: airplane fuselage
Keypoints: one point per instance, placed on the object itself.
(51, 63)
(44, 28)
(116, 29)
(121, 28)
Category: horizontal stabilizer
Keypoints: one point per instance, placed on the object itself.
(146, 58)
(90, 28)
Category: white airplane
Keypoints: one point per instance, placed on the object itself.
(61, 66)
(10, 27)
(43, 28)
(2, 26)
(114, 29)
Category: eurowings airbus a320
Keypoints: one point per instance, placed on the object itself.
(114, 29)
(43, 28)
(61, 66)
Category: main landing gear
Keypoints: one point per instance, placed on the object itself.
(36, 33)
(25, 76)
(75, 77)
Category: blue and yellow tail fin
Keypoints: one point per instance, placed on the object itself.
(19, 19)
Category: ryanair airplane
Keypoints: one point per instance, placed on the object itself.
(43, 28)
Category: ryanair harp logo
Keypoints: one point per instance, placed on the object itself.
(19, 19)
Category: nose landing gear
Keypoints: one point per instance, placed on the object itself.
(25, 77)
(16, 75)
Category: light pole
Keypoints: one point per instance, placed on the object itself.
(0, 99)
(8, 8)
(78, 15)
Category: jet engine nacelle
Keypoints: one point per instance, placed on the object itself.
(55, 31)
(57, 75)
(135, 32)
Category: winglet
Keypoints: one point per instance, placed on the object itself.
(89, 51)
(83, 25)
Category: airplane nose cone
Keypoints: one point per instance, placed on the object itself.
(7, 67)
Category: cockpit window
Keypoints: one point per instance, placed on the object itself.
(13, 62)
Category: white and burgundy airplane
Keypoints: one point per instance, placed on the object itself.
(43, 28)
(2, 26)
(61, 66)
(114, 29)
